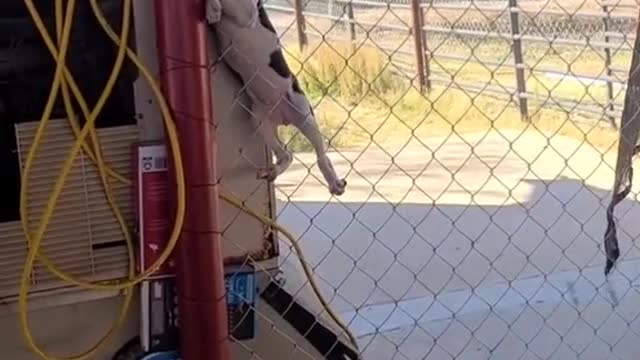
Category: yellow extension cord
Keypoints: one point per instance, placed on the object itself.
(64, 82)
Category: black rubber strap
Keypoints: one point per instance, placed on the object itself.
(307, 324)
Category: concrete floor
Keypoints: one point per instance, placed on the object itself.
(470, 248)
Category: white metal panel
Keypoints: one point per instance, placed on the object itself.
(240, 150)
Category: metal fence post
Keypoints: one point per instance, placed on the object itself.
(425, 50)
(301, 24)
(521, 82)
(204, 329)
(607, 63)
(417, 37)
(352, 23)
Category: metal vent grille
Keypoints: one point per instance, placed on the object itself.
(83, 237)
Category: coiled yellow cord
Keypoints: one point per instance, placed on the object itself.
(64, 80)
(34, 240)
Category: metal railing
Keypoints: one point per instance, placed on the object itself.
(456, 34)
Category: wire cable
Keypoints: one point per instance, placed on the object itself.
(34, 240)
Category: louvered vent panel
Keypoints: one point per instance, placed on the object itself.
(83, 237)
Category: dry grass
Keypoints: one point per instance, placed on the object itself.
(365, 103)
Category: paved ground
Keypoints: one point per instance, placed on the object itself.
(486, 248)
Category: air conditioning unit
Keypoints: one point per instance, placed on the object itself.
(83, 237)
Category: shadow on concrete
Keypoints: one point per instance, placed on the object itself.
(409, 276)
(377, 252)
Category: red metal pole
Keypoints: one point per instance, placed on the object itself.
(182, 39)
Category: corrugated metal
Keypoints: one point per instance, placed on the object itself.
(83, 227)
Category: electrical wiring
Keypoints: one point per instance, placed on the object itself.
(64, 82)
(34, 240)
(173, 139)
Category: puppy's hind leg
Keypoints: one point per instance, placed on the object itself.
(306, 122)
(269, 131)
(336, 185)
(283, 157)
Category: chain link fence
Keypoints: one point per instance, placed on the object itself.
(558, 42)
(479, 154)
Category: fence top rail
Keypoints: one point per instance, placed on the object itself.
(534, 13)
(362, 24)
(279, 8)
(614, 8)
(620, 4)
(375, 4)
(575, 14)
(611, 13)
(468, 6)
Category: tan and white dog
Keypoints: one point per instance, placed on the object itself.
(251, 48)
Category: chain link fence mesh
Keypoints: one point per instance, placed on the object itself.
(472, 223)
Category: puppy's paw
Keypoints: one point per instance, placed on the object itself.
(268, 174)
(338, 187)
(213, 17)
(213, 11)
